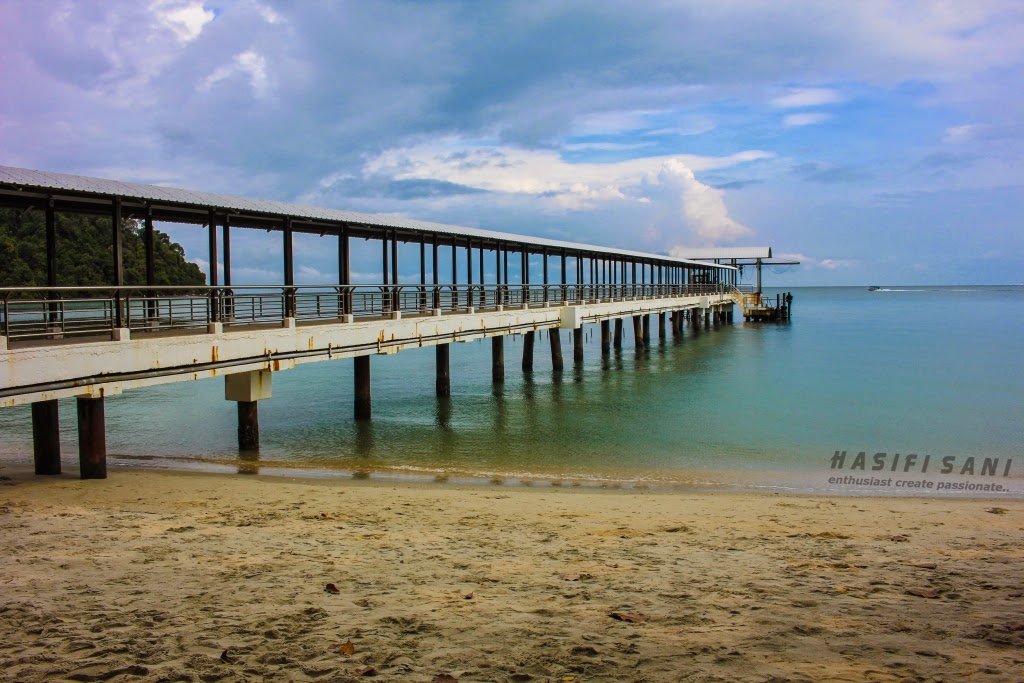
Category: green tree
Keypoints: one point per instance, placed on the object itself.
(85, 252)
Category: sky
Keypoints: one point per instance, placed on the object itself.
(876, 142)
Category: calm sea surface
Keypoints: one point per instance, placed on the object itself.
(935, 371)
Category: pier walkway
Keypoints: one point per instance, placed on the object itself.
(90, 342)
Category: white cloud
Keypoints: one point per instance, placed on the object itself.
(600, 146)
(268, 14)
(310, 275)
(955, 135)
(798, 98)
(653, 122)
(185, 19)
(688, 125)
(825, 263)
(250, 64)
(610, 122)
(703, 206)
(662, 181)
(808, 118)
(542, 173)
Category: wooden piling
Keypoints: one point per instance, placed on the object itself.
(661, 325)
(92, 438)
(606, 337)
(442, 352)
(617, 342)
(363, 403)
(555, 337)
(248, 425)
(646, 319)
(46, 437)
(498, 359)
(528, 351)
(638, 332)
(577, 346)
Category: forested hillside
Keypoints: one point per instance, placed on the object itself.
(84, 252)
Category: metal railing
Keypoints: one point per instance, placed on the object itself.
(68, 312)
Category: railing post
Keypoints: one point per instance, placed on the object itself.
(214, 309)
(289, 302)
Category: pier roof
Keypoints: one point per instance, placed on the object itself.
(709, 253)
(26, 187)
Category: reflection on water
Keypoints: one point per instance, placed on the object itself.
(364, 447)
(443, 417)
(500, 410)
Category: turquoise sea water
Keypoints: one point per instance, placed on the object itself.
(932, 371)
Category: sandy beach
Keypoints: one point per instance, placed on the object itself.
(169, 576)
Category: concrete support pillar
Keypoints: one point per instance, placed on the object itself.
(92, 438)
(646, 318)
(606, 337)
(617, 340)
(498, 359)
(707, 317)
(443, 384)
(577, 346)
(528, 351)
(246, 389)
(555, 337)
(363, 406)
(638, 332)
(46, 437)
(661, 325)
(248, 425)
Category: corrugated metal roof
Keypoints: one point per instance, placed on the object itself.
(48, 182)
(725, 252)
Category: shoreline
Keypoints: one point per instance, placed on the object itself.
(173, 576)
(838, 483)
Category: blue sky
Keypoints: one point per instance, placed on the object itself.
(878, 142)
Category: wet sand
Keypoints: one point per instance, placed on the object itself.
(171, 576)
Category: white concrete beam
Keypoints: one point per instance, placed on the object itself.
(145, 360)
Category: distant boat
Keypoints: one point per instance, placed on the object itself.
(872, 288)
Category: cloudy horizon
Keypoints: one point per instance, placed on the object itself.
(876, 142)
